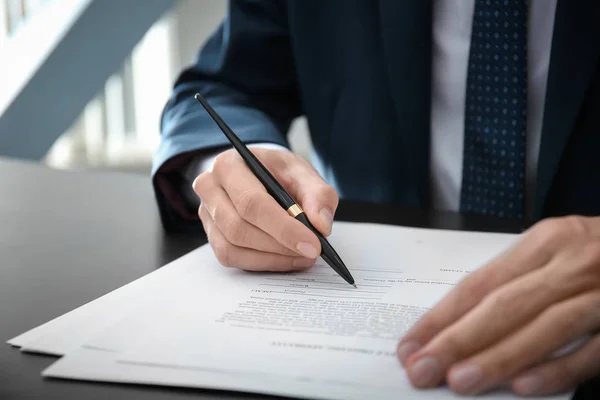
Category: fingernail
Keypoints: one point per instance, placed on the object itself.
(307, 250)
(301, 262)
(407, 349)
(466, 377)
(425, 371)
(528, 385)
(327, 217)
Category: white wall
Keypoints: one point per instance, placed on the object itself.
(195, 21)
(120, 127)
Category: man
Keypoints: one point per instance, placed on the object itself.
(483, 106)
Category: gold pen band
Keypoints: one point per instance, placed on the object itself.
(295, 210)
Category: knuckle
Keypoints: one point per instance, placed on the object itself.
(548, 286)
(501, 300)
(223, 159)
(547, 229)
(248, 205)
(564, 327)
(328, 192)
(565, 321)
(219, 161)
(501, 365)
(201, 182)
(546, 234)
(590, 255)
(235, 230)
(476, 286)
(205, 224)
(224, 162)
(455, 344)
(288, 179)
(222, 252)
(204, 213)
(287, 230)
(575, 225)
(560, 228)
(276, 159)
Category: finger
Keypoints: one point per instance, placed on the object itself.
(260, 209)
(230, 255)
(561, 374)
(318, 199)
(497, 316)
(207, 222)
(236, 230)
(532, 251)
(556, 327)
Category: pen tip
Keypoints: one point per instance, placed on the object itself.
(354, 284)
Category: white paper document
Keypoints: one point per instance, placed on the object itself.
(194, 323)
(70, 331)
(306, 334)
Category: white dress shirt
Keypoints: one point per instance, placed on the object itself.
(452, 23)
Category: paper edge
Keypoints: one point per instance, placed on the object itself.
(35, 333)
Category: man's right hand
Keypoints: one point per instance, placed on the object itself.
(247, 228)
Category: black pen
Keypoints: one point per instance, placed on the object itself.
(278, 192)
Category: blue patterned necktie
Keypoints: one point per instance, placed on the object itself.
(493, 180)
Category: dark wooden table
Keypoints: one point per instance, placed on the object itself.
(67, 238)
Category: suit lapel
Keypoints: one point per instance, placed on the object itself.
(573, 60)
(406, 28)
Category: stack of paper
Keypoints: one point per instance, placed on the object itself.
(307, 334)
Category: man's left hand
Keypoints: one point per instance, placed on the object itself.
(506, 323)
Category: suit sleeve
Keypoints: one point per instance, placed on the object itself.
(245, 70)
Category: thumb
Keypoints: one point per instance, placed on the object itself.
(319, 201)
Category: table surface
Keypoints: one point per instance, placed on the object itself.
(68, 237)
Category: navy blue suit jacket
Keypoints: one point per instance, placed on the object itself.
(360, 70)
